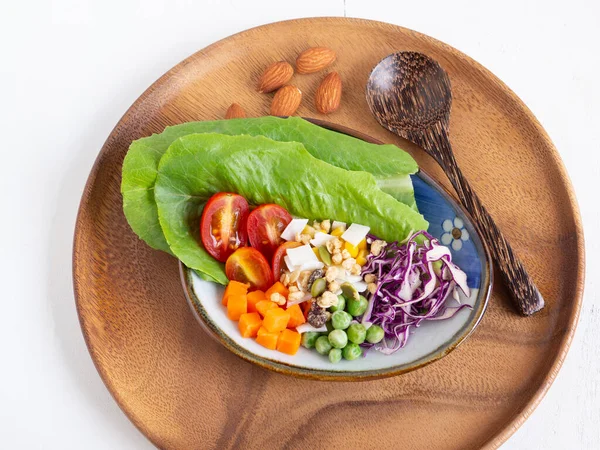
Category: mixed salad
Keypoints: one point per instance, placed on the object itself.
(316, 235)
(323, 284)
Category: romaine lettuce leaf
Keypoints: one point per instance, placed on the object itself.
(265, 171)
(141, 162)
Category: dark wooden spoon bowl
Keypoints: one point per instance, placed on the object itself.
(410, 95)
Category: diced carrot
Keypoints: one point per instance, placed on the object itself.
(296, 316)
(306, 308)
(279, 288)
(266, 338)
(249, 324)
(253, 298)
(234, 287)
(236, 306)
(276, 319)
(264, 305)
(288, 342)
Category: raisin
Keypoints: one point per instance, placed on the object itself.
(317, 316)
(319, 273)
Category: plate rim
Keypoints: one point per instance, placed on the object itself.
(522, 413)
(485, 291)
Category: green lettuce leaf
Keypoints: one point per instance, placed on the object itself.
(141, 162)
(265, 171)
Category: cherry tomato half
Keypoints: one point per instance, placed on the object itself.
(248, 265)
(223, 224)
(277, 264)
(265, 225)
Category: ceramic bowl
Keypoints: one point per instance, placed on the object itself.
(449, 222)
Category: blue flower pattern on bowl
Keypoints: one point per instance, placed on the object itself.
(455, 233)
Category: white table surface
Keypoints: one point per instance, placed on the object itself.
(70, 69)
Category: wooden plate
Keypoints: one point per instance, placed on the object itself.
(183, 390)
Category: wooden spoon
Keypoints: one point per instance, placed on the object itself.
(409, 94)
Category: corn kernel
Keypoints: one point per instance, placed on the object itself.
(362, 244)
(351, 249)
(309, 230)
(361, 259)
(316, 252)
(337, 232)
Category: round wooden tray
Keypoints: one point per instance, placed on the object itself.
(183, 390)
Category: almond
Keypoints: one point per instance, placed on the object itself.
(235, 111)
(275, 76)
(286, 101)
(314, 59)
(329, 93)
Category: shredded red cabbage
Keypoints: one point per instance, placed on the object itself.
(410, 289)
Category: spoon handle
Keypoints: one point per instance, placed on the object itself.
(525, 294)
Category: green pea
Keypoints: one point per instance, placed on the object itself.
(340, 306)
(318, 287)
(322, 345)
(351, 351)
(338, 338)
(309, 338)
(335, 355)
(356, 333)
(375, 334)
(329, 327)
(341, 320)
(357, 307)
(325, 255)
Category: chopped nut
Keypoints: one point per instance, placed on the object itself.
(346, 254)
(326, 226)
(331, 274)
(276, 297)
(285, 278)
(295, 296)
(349, 263)
(356, 269)
(294, 276)
(377, 246)
(293, 289)
(336, 258)
(305, 238)
(337, 243)
(329, 246)
(370, 278)
(327, 299)
(297, 237)
(333, 286)
(303, 279)
(372, 287)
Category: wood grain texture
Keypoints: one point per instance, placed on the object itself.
(183, 390)
(410, 94)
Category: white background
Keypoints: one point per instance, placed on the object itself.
(70, 68)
